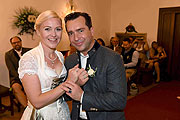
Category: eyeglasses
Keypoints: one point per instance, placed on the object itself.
(15, 42)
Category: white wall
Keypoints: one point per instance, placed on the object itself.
(98, 9)
(143, 14)
(108, 17)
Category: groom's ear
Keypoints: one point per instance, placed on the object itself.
(92, 31)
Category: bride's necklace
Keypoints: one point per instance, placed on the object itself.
(51, 60)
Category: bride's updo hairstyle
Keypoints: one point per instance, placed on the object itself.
(45, 16)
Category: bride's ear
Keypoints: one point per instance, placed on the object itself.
(38, 33)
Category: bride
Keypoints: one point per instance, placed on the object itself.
(43, 73)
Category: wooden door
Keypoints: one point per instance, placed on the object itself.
(176, 48)
(169, 37)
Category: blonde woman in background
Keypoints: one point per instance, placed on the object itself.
(141, 45)
(43, 73)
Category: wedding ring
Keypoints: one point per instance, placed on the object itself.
(70, 91)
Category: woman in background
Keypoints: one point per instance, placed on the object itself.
(141, 45)
(157, 59)
(42, 72)
(101, 41)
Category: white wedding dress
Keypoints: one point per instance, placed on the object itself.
(33, 62)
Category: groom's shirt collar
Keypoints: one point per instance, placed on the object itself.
(84, 58)
(92, 51)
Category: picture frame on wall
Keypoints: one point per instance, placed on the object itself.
(122, 36)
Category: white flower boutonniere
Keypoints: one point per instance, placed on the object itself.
(91, 72)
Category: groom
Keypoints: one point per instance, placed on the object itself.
(103, 96)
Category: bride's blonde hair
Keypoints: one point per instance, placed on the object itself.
(45, 16)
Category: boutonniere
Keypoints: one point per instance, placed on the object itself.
(127, 57)
(91, 72)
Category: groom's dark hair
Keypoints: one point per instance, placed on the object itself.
(75, 15)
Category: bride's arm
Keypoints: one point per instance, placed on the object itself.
(31, 84)
(28, 74)
(33, 91)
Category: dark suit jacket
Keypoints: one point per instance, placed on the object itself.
(12, 63)
(104, 94)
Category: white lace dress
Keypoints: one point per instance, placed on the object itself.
(33, 62)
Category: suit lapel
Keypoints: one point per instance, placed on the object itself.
(79, 59)
(16, 55)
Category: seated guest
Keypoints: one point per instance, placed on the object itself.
(114, 44)
(130, 58)
(12, 58)
(142, 47)
(161, 52)
(101, 41)
(162, 59)
(157, 58)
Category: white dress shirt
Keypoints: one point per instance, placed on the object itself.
(83, 65)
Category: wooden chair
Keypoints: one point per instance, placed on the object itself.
(14, 100)
(145, 76)
(5, 91)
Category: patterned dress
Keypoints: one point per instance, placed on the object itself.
(33, 63)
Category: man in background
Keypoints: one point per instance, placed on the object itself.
(114, 45)
(130, 58)
(12, 58)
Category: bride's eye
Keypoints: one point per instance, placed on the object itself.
(58, 29)
(47, 29)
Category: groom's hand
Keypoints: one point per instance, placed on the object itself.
(73, 74)
(83, 77)
(72, 90)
